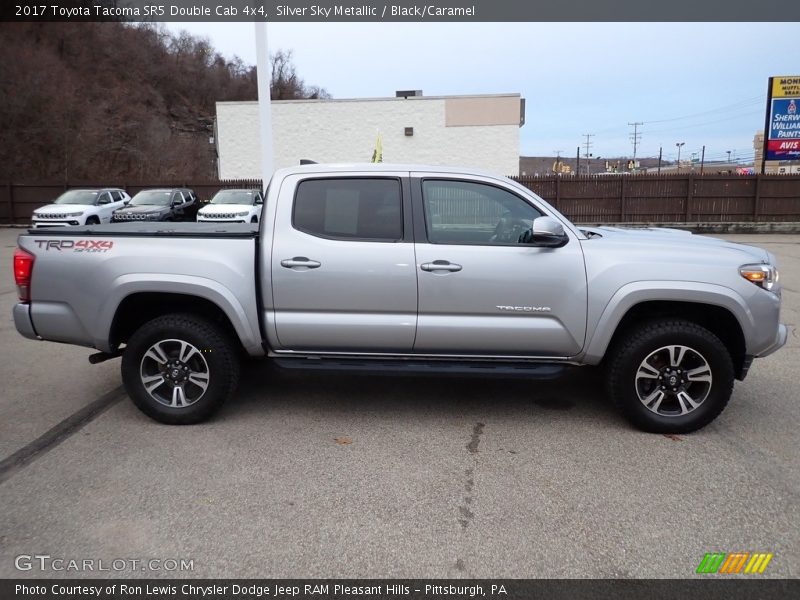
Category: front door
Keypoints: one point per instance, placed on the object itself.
(343, 269)
(481, 292)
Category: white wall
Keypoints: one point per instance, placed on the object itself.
(346, 130)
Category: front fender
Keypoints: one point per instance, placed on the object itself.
(637, 292)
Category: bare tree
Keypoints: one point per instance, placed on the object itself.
(285, 84)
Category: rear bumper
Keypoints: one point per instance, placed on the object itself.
(22, 321)
(777, 344)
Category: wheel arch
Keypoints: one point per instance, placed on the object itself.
(720, 311)
(135, 300)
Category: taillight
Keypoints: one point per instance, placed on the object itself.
(23, 268)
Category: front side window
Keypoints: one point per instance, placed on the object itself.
(104, 198)
(463, 212)
(177, 198)
(346, 209)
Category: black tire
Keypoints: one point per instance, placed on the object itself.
(651, 340)
(93, 220)
(215, 358)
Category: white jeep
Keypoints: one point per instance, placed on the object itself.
(81, 207)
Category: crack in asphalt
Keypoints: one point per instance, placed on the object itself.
(58, 433)
(465, 513)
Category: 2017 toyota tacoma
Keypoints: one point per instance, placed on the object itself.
(412, 268)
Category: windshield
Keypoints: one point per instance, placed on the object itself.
(77, 197)
(233, 197)
(152, 198)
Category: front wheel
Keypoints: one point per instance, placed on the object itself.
(670, 376)
(179, 369)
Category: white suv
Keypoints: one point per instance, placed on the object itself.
(81, 207)
(233, 206)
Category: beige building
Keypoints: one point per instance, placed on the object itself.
(480, 131)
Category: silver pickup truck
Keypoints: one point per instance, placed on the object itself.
(416, 269)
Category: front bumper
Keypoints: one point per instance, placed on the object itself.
(206, 220)
(52, 224)
(22, 321)
(778, 343)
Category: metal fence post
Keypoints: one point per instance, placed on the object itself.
(689, 196)
(623, 213)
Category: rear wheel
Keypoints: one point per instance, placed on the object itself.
(670, 376)
(179, 369)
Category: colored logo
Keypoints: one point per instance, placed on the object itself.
(735, 562)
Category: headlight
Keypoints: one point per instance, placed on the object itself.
(242, 214)
(764, 276)
(74, 214)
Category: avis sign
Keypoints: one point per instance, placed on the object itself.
(783, 131)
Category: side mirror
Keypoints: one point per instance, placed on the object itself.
(547, 233)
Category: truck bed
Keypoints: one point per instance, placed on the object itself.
(82, 275)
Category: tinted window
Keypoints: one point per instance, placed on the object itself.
(116, 196)
(177, 198)
(460, 212)
(104, 198)
(368, 209)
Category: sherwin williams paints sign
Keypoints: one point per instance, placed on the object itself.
(782, 139)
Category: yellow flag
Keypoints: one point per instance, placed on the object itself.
(377, 154)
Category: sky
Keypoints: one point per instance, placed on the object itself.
(696, 83)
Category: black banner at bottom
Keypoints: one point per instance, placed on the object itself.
(727, 588)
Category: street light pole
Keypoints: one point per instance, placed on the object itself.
(679, 145)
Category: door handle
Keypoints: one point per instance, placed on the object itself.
(300, 261)
(440, 265)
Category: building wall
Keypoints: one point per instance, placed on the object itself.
(346, 131)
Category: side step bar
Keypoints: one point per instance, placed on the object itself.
(462, 368)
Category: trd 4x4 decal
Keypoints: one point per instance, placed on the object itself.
(76, 246)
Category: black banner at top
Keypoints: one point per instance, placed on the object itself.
(401, 10)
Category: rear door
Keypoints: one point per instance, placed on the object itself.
(343, 268)
(481, 292)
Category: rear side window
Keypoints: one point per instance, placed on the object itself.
(116, 196)
(350, 209)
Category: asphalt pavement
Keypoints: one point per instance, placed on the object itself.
(316, 475)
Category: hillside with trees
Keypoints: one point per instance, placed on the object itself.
(111, 101)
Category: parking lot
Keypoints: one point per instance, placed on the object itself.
(316, 475)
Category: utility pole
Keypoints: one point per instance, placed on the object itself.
(263, 78)
(660, 150)
(578, 161)
(636, 137)
(679, 145)
(587, 145)
(702, 159)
